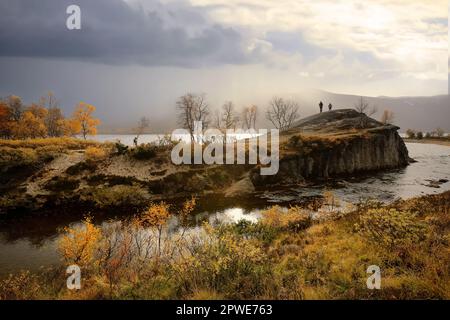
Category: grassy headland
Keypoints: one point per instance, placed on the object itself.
(37, 173)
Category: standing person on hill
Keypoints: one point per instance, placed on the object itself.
(321, 106)
(330, 106)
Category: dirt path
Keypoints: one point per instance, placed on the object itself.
(55, 168)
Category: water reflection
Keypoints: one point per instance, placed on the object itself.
(234, 215)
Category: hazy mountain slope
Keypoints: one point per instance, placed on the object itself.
(421, 113)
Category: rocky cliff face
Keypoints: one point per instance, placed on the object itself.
(315, 154)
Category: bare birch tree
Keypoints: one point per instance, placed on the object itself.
(54, 119)
(249, 117)
(282, 113)
(143, 125)
(364, 109)
(192, 108)
(229, 118)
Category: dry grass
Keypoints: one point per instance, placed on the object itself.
(65, 143)
(95, 153)
(16, 153)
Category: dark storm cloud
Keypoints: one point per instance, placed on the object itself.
(114, 32)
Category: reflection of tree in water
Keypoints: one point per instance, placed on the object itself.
(41, 226)
(35, 228)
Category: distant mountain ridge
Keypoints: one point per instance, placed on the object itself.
(420, 113)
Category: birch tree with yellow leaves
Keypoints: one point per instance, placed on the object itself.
(83, 121)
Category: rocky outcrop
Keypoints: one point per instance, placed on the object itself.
(314, 154)
(240, 188)
(336, 121)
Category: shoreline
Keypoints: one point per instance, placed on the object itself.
(428, 141)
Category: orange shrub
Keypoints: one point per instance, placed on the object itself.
(95, 154)
(78, 245)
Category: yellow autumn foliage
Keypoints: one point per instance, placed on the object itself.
(83, 121)
(391, 227)
(78, 245)
(156, 215)
(95, 153)
(294, 218)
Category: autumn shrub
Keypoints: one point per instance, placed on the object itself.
(165, 142)
(224, 263)
(156, 215)
(294, 219)
(331, 262)
(82, 166)
(21, 286)
(391, 227)
(121, 148)
(287, 274)
(365, 204)
(95, 154)
(61, 183)
(159, 286)
(64, 142)
(411, 251)
(78, 245)
(250, 230)
(118, 253)
(50, 152)
(331, 199)
(17, 157)
(144, 152)
(411, 134)
(26, 156)
(116, 196)
(15, 153)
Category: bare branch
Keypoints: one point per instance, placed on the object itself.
(282, 113)
(192, 108)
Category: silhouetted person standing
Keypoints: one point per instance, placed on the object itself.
(330, 106)
(321, 106)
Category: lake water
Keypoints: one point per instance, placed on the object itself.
(128, 139)
(30, 242)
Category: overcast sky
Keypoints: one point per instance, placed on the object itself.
(137, 56)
